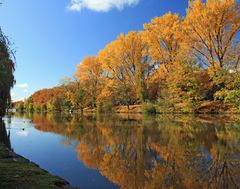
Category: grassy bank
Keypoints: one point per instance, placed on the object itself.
(18, 172)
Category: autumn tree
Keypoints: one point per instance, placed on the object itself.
(19, 105)
(137, 62)
(108, 96)
(229, 86)
(89, 73)
(212, 28)
(174, 61)
(184, 86)
(124, 61)
(65, 81)
(111, 58)
(56, 105)
(42, 99)
(78, 99)
(28, 104)
(162, 38)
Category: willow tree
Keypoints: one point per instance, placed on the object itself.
(6, 73)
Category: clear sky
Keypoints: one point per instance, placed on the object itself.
(52, 36)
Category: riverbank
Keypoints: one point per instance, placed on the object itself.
(18, 172)
(205, 107)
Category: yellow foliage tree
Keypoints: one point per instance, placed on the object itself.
(162, 39)
(123, 61)
(89, 75)
(211, 29)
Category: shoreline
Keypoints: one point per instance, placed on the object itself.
(18, 171)
(204, 107)
(139, 109)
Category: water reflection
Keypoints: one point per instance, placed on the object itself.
(139, 152)
(4, 135)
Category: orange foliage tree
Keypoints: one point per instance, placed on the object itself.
(179, 61)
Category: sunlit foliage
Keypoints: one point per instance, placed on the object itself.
(176, 62)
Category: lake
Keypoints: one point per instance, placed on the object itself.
(132, 151)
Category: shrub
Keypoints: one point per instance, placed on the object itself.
(149, 108)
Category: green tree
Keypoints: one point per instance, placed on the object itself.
(183, 86)
(78, 99)
(6, 73)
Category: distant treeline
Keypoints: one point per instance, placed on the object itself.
(175, 64)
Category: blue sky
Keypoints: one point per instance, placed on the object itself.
(52, 36)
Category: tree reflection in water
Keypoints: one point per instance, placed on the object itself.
(140, 152)
(4, 135)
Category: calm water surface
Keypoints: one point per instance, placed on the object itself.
(132, 151)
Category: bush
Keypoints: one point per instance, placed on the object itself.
(149, 108)
(228, 95)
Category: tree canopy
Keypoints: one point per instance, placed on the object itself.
(176, 63)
